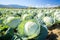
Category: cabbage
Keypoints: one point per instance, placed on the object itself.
(29, 28)
(57, 17)
(26, 16)
(12, 22)
(40, 15)
(48, 21)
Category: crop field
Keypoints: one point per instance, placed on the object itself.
(29, 24)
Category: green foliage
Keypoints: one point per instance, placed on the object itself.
(12, 22)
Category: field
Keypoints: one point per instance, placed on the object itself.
(29, 24)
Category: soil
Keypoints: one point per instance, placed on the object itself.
(54, 32)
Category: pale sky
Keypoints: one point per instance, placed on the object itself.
(31, 2)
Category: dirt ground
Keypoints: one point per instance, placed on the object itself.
(54, 32)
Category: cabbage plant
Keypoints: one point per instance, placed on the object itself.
(27, 16)
(29, 29)
(48, 21)
(40, 15)
(12, 22)
(57, 17)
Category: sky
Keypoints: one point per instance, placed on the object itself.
(36, 3)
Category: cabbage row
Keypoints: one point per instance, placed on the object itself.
(27, 24)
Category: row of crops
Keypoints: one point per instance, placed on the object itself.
(27, 24)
